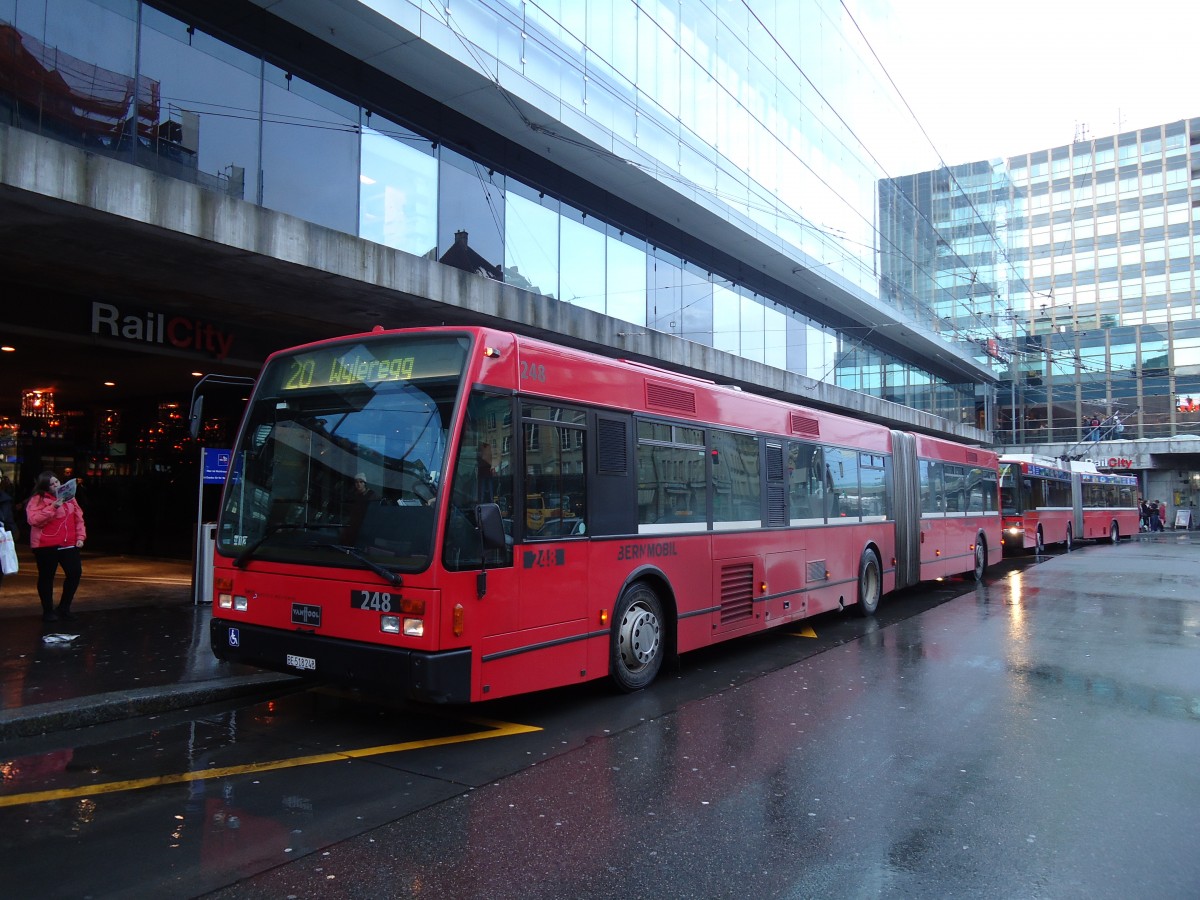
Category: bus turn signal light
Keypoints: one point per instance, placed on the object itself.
(458, 625)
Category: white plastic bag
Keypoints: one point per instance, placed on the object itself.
(8, 553)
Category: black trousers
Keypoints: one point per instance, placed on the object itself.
(48, 560)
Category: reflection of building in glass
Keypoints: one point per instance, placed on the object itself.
(461, 256)
(1072, 269)
(676, 168)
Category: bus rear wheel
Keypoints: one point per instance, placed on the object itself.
(870, 583)
(1070, 541)
(1114, 533)
(980, 557)
(637, 649)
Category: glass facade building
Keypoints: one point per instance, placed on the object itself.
(706, 168)
(1072, 270)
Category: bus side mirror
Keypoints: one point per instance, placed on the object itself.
(491, 526)
(195, 415)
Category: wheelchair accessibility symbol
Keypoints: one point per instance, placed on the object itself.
(235, 638)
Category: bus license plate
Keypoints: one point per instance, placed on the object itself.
(306, 614)
(303, 663)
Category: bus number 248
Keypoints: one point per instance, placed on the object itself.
(379, 601)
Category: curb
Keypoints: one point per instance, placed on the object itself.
(63, 715)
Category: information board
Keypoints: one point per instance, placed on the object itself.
(216, 465)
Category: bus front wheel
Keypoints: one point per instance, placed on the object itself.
(1070, 541)
(1114, 533)
(870, 583)
(637, 648)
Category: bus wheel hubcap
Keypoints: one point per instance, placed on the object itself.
(640, 636)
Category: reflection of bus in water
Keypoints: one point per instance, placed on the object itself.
(1049, 501)
(376, 524)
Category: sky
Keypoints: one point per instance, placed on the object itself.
(988, 79)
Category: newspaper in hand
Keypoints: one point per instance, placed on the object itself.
(66, 491)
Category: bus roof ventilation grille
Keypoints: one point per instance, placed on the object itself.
(805, 425)
(612, 457)
(664, 396)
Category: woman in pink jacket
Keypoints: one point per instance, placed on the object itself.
(56, 533)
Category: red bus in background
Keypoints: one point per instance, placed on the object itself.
(384, 518)
(1048, 501)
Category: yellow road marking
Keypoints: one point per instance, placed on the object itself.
(496, 729)
(806, 631)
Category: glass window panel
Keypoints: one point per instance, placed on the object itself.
(932, 488)
(873, 476)
(310, 148)
(470, 217)
(208, 124)
(806, 481)
(88, 55)
(775, 337)
(530, 245)
(483, 473)
(583, 279)
(726, 319)
(398, 190)
(626, 281)
(752, 325)
(841, 477)
(555, 486)
(664, 312)
(735, 479)
(696, 295)
(653, 431)
(672, 485)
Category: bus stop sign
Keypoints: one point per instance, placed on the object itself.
(216, 464)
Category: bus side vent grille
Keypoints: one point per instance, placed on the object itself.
(774, 462)
(737, 593)
(972, 456)
(776, 505)
(815, 571)
(612, 455)
(663, 396)
(805, 425)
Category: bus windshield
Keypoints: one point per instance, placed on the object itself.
(1010, 495)
(341, 454)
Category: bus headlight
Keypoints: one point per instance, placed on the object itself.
(414, 627)
(389, 624)
(225, 601)
(239, 603)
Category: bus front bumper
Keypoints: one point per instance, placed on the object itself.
(426, 677)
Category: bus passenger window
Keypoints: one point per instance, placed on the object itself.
(482, 474)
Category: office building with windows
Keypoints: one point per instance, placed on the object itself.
(1072, 271)
(186, 186)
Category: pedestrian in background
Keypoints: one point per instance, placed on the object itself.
(1156, 514)
(7, 515)
(56, 534)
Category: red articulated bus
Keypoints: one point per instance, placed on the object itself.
(378, 520)
(1048, 501)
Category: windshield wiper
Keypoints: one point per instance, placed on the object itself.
(244, 556)
(386, 574)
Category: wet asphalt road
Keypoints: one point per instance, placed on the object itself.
(1035, 736)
